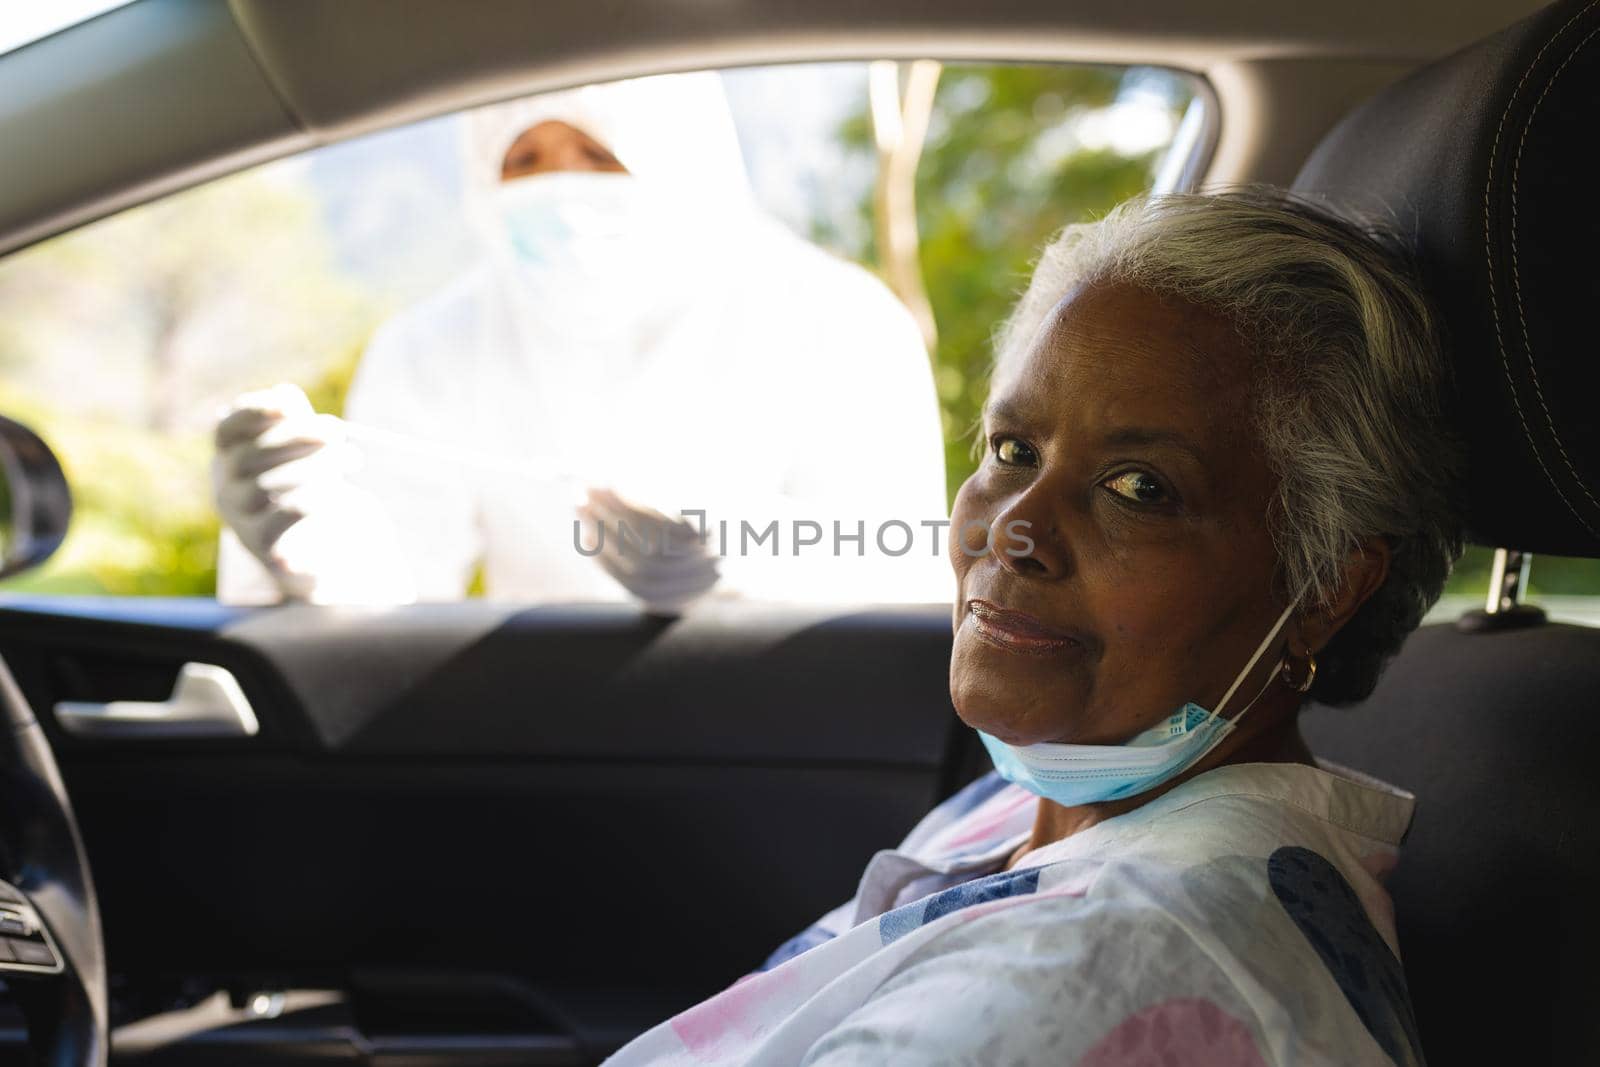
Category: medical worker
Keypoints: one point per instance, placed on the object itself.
(639, 341)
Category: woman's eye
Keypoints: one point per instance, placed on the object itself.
(1012, 452)
(1138, 487)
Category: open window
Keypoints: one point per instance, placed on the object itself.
(789, 331)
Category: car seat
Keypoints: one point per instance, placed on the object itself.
(1486, 161)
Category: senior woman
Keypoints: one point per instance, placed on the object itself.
(1217, 482)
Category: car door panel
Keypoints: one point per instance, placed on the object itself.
(593, 806)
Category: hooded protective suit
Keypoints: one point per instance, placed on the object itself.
(651, 333)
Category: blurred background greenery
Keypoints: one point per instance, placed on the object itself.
(988, 199)
(118, 342)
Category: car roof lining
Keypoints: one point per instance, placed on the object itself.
(163, 94)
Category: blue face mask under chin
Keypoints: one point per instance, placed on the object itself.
(1089, 774)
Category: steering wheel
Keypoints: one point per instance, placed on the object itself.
(52, 956)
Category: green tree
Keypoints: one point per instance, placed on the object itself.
(1001, 172)
(122, 339)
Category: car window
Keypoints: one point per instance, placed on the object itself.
(1566, 587)
(746, 313)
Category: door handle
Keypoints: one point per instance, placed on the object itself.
(206, 701)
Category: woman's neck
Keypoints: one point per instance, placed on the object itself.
(1279, 741)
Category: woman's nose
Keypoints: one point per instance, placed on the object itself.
(1026, 540)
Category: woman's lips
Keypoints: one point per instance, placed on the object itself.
(1017, 631)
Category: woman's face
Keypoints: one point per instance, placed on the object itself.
(1120, 443)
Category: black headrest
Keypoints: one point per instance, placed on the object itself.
(1488, 160)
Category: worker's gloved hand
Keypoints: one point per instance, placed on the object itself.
(664, 562)
(280, 480)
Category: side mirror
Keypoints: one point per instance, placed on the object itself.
(35, 503)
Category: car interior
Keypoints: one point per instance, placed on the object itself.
(386, 847)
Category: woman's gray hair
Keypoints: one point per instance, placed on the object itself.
(1349, 391)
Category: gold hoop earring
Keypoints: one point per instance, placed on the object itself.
(1304, 685)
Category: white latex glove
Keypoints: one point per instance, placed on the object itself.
(678, 567)
(280, 481)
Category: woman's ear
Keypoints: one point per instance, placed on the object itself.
(1364, 572)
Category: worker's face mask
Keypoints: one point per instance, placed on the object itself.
(1089, 774)
(587, 224)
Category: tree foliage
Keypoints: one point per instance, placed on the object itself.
(1001, 173)
(120, 342)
